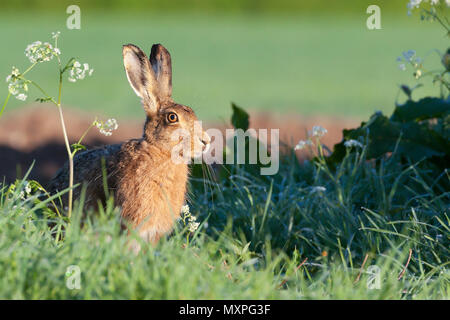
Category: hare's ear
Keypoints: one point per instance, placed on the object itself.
(141, 77)
(162, 66)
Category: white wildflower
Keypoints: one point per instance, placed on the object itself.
(192, 226)
(318, 189)
(418, 74)
(17, 86)
(22, 96)
(55, 35)
(414, 4)
(318, 131)
(41, 52)
(27, 187)
(409, 55)
(77, 72)
(352, 143)
(106, 128)
(191, 220)
(302, 144)
(13, 75)
(185, 209)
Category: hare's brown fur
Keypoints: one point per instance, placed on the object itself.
(147, 184)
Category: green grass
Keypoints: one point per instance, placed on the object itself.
(256, 231)
(309, 64)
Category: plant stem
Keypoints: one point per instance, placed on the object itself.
(69, 152)
(5, 103)
(29, 68)
(84, 135)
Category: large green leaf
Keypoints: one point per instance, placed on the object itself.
(423, 109)
(414, 140)
(240, 118)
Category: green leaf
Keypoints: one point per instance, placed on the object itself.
(423, 109)
(240, 118)
(42, 100)
(414, 140)
(68, 65)
(77, 147)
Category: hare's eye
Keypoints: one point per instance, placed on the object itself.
(172, 117)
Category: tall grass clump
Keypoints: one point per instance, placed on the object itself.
(307, 232)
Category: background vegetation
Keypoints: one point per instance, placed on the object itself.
(308, 57)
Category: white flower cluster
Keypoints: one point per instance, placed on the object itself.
(414, 4)
(352, 143)
(318, 132)
(55, 35)
(409, 57)
(16, 85)
(192, 220)
(106, 128)
(78, 72)
(41, 52)
(25, 192)
(302, 144)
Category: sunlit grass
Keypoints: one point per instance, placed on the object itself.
(272, 237)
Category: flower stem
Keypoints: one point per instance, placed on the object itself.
(69, 152)
(29, 68)
(5, 103)
(84, 135)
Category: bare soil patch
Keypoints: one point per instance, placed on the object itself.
(34, 134)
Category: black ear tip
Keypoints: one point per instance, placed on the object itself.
(129, 46)
(158, 48)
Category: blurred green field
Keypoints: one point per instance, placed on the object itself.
(308, 64)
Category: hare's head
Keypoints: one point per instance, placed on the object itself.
(169, 125)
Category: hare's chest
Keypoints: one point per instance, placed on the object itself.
(151, 196)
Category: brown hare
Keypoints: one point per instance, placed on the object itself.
(148, 185)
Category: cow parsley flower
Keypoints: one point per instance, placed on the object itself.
(415, 4)
(27, 187)
(185, 210)
(17, 86)
(106, 128)
(318, 131)
(192, 223)
(193, 226)
(55, 35)
(418, 74)
(302, 144)
(409, 58)
(21, 96)
(79, 72)
(352, 143)
(191, 220)
(41, 52)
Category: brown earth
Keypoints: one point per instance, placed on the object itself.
(34, 133)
